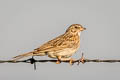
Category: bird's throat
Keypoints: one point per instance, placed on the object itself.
(79, 33)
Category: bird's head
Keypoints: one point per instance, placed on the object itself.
(75, 28)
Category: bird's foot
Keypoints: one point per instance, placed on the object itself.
(71, 62)
(58, 62)
(82, 59)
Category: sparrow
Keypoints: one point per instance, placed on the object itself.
(61, 47)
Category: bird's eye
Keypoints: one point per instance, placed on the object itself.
(76, 27)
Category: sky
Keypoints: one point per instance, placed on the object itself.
(27, 24)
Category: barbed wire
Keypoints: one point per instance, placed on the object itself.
(43, 61)
(33, 61)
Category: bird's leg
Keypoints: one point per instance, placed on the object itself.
(71, 60)
(59, 60)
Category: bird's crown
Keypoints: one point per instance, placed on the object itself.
(75, 28)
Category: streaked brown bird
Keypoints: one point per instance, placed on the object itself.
(61, 47)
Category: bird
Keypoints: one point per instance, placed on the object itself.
(61, 47)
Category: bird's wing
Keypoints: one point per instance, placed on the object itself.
(56, 44)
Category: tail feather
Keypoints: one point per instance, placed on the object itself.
(22, 56)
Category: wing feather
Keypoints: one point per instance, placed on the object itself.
(59, 43)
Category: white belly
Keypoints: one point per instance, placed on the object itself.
(63, 53)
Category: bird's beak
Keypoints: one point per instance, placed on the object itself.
(84, 28)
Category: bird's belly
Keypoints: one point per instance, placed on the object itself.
(63, 53)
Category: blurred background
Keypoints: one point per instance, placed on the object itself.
(27, 24)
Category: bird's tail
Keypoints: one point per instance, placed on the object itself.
(22, 56)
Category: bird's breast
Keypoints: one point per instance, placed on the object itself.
(65, 53)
